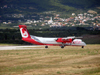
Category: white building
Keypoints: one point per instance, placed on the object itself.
(50, 21)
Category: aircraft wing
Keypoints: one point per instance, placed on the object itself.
(67, 39)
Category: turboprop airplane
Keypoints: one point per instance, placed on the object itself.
(48, 41)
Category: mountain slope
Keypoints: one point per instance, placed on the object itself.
(46, 5)
(81, 3)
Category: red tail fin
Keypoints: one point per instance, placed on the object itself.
(24, 31)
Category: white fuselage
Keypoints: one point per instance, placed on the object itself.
(49, 40)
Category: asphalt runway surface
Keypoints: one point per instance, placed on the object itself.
(18, 47)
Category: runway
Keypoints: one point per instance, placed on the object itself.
(18, 47)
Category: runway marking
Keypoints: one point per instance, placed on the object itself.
(26, 47)
(18, 47)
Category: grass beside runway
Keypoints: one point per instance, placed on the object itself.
(52, 61)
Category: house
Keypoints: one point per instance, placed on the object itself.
(4, 22)
(98, 25)
(50, 21)
(73, 14)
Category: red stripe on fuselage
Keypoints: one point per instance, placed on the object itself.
(38, 43)
(32, 41)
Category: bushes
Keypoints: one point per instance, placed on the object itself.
(13, 36)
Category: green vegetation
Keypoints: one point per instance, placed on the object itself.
(13, 36)
(80, 3)
(19, 12)
(31, 6)
(5, 44)
(51, 61)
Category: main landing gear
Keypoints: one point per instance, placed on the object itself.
(62, 46)
(82, 46)
(46, 46)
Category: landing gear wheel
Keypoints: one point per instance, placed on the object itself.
(82, 46)
(46, 46)
(62, 46)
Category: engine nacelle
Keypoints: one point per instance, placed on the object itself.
(64, 40)
(77, 41)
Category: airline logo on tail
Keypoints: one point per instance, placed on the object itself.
(24, 32)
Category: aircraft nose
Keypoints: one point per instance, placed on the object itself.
(84, 43)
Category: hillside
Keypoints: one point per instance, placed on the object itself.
(81, 3)
(22, 6)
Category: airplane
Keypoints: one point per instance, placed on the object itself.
(50, 41)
